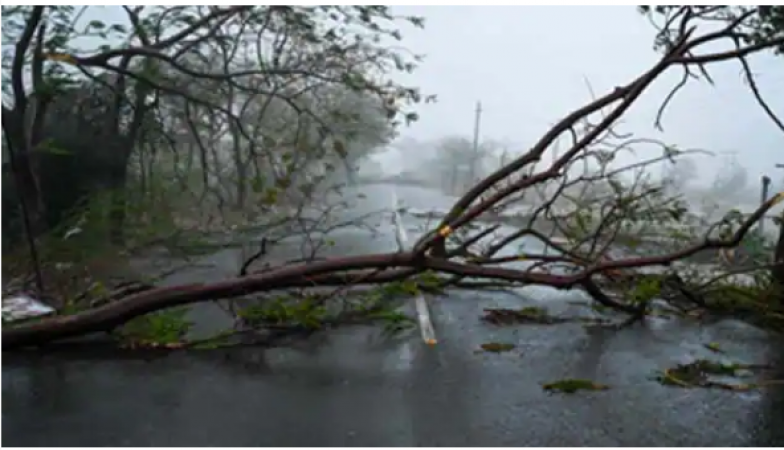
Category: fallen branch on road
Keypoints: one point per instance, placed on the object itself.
(588, 258)
(324, 273)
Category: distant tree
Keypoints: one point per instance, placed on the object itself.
(81, 149)
(681, 173)
(458, 165)
(730, 181)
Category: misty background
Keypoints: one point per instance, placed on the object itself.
(530, 66)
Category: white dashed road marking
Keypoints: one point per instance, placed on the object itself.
(423, 312)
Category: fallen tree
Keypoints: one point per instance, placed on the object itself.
(583, 254)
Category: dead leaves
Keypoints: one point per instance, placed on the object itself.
(704, 373)
(527, 315)
(497, 347)
(572, 385)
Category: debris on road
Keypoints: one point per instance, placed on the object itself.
(527, 315)
(497, 347)
(714, 347)
(22, 306)
(572, 385)
(704, 373)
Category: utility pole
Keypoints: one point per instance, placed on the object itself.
(504, 156)
(764, 198)
(765, 189)
(477, 121)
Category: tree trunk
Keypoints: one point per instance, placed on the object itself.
(119, 205)
(778, 267)
(242, 180)
(24, 169)
(117, 218)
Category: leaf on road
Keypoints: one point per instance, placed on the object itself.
(527, 315)
(572, 385)
(703, 373)
(497, 347)
(714, 347)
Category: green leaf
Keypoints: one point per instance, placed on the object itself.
(283, 183)
(118, 28)
(54, 150)
(714, 347)
(257, 184)
(270, 196)
(163, 327)
(646, 290)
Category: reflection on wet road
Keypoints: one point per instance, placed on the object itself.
(355, 388)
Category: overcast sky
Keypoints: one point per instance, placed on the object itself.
(528, 66)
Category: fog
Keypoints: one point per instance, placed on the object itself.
(530, 66)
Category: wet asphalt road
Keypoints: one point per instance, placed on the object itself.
(355, 388)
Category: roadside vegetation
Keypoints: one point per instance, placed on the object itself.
(166, 134)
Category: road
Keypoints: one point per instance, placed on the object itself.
(355, 388)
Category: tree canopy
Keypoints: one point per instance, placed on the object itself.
(237, 87)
